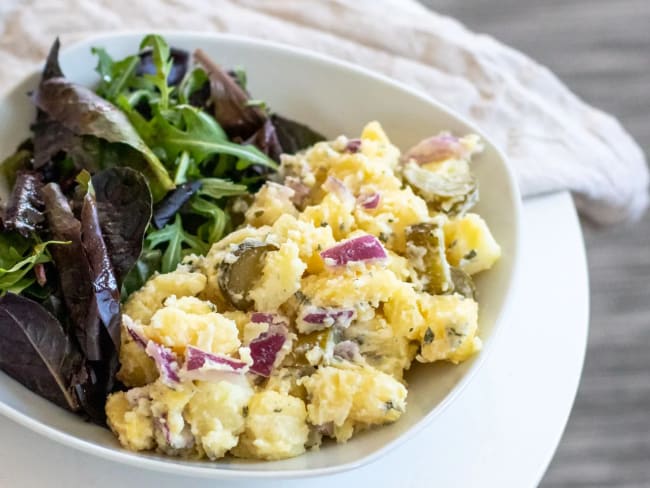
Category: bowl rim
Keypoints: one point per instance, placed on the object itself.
(209, 469)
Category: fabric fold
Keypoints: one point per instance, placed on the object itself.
(554, 140)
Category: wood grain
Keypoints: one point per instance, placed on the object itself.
(601, 49)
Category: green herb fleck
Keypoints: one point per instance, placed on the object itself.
(429, 336)
(470, 255)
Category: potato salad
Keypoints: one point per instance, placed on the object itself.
(299, 326)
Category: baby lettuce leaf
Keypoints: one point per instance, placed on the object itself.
(266, 140)
(124, 202)
(73, 271)
(24, 212)
(35, 350)
(83, 112)
(50, 136)
(10, 167)
(167, 208)
(52, 68)
(105, 288)
(149, 262)
(294, 136)
(230, 101)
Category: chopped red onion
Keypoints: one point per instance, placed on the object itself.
(353, 146)
(300, 191)
(204, 366)
(196, 358)
(369, 201)
(338, 188)
(134, 331)
(313, 318)
(364, 248)
(348, 350)
(268, 318)
(134, 395)
(166, 362)
(436, 148)
(184, 439)
(265, 349)
(326, 429)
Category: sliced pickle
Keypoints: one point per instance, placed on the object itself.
(425, 249)
(451, 193)
(237, 277)
(463, 283)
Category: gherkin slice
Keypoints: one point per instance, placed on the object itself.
(425, 249)
(463, 283)
(236, 277)
(451, 193)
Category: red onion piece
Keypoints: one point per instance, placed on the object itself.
(134, 395)
(353, 146)
(348, 350)
(268, 318)
(369, 201)
(326, 429)
(196, 358)
(359, 249)
(338, 188)
(182, 440)
(204, 366)
(313, 318)
(300, 191)
(265, 349)
(436, 148)
(166, 362)
(134, 331)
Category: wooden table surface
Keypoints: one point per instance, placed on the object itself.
(601, 49)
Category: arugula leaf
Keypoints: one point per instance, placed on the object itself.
(163, 63)
(194, 81)
(218, 188)
(18, 258)
(115, 75)
(214, 229)
(202, 137)
(178, 242)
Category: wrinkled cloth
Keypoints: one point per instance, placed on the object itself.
(554, 140)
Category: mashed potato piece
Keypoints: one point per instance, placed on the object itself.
(276, 427)
(360, 396)
(191, 321)
(265, 345)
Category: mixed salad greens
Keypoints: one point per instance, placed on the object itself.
(115, 184)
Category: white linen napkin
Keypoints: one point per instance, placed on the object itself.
(554, 140)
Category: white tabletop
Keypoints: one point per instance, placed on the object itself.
(502, 431)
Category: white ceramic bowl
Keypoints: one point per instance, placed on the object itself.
(334, 98)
